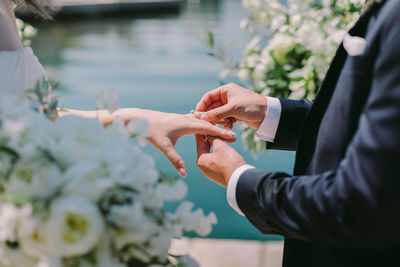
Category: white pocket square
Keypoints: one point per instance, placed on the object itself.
(354, 45)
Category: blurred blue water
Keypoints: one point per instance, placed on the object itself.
(155, 61)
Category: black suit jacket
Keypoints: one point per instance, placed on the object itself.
(342, 205)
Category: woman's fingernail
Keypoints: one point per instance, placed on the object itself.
(230, 133)
(182, 172)
(204, 117)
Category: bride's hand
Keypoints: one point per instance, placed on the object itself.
(167, 128)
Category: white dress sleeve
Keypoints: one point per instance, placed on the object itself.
(20, 70)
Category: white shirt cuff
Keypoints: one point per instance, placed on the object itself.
(269, 126)
(232, 184)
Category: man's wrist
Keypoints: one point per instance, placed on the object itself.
(228, 173)
(269, 126)
(232, 185)
(263, 108)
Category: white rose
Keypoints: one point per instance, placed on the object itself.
(74, 226)
(34, 176)
(32, 237)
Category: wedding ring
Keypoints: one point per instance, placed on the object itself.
(196, 114)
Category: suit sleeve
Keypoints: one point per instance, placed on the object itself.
(357, 204)
(292, 117)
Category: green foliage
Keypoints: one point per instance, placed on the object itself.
(43, 99)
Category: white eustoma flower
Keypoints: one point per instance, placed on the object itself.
(108, 99)
(140, 128)
(10, 215)
(140, 172)
(88, 179)
(172, 192)
(84, 139)
(160, 244)
(134, 225)
(152, 199)
(117, 129)
(30, 130)
(74, 227)
(195, 221)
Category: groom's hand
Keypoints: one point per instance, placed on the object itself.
(219, 164)
(230, 103)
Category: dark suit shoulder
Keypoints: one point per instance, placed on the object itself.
(389, 16)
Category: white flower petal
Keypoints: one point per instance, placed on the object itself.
(74, 227)
(108, 99)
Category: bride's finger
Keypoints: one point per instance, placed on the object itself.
(202, 145)
(176, 160)
(206, 128)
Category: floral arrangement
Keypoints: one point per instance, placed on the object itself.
(291, 45)
(74, 193)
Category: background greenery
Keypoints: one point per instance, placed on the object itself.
(290, 47)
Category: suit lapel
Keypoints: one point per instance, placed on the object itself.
(313, 120)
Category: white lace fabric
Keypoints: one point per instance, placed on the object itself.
(19, 70)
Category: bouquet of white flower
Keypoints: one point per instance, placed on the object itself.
(73, 193)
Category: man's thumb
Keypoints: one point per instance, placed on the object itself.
(218, 114)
